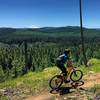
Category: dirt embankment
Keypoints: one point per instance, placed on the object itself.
(80, 93)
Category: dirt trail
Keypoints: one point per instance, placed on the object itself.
(43, 96)
(89, 81)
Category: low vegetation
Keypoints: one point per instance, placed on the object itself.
(34, 82)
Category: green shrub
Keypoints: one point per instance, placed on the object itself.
(95, 89)
(93, 61)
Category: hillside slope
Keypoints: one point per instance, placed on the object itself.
(37, 82)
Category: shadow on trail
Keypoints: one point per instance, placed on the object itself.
(67, 90)
(61, 90)
(77, 84)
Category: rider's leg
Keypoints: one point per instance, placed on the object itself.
(61, 66)
(63, 69)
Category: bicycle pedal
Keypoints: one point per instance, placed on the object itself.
(59, 76)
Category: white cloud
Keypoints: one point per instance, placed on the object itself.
(33, 26)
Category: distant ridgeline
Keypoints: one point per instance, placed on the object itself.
(48, 34)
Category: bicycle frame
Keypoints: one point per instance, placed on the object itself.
(69, 69)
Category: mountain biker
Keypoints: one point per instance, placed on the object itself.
(62, 60)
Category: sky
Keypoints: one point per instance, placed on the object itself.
(48, 13)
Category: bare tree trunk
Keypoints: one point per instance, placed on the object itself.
(82, 35)
(26, 57)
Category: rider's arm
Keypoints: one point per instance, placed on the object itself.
(70, 63)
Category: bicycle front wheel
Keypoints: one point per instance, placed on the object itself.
(76, 75)
(56, 82)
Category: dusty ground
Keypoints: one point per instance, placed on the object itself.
(67, 93)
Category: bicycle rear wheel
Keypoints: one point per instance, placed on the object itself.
(76, 75)
(56, 82)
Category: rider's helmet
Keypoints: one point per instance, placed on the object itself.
(67, 51)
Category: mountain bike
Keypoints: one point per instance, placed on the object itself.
(74, 74)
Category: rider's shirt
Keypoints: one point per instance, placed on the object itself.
(63, 58)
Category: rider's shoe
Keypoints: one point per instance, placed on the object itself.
(66, 81)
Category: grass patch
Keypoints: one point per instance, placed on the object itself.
(33, 81)
(94, 66)
(95, 89)
(3, 98)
